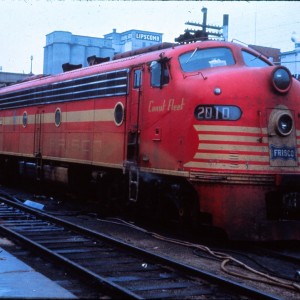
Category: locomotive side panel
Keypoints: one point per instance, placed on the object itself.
(82, 132)
(164, 120)
(54, 131)
(163, 137)
(109, 131)
(11, 131)
(31, 131)
(79, 130)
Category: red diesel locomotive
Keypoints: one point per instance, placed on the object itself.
(208, 130)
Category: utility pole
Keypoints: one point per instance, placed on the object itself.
(192, 35)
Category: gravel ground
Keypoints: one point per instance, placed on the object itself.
(184, 253)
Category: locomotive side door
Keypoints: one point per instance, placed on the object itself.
(37, 142)
(37, 133)
(133, 131)
(132, 117)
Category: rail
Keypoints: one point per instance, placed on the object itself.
(120, 268)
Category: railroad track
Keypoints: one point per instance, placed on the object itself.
(119, 269)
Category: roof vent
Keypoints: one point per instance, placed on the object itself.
(69, 67)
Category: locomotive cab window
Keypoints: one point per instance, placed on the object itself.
(159, 74)
(137, 79)
(200, 59)
(25, 119)
(57, 117)
(252, 60)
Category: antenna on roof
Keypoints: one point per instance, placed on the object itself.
(31, 59)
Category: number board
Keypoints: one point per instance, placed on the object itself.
(217, 113)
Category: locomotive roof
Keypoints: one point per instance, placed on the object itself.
(125, 60)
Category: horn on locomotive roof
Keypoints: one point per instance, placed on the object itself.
(94, 60)
(69, 67)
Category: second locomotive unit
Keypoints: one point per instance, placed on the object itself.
(208, 132)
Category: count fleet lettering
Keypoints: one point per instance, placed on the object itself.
(170, 105)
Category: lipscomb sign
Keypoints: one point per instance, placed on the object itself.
(147, 37)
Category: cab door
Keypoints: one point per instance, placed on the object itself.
(37, 141)
(133, 115)
(133, 132)
(38, 121)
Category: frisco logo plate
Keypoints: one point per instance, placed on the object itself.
(283, 152)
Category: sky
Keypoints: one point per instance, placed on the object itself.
(24, 24)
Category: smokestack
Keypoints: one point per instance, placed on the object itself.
(225, 26)
(204, 22)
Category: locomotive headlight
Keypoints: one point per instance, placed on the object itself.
(281, 79)
(284, 124)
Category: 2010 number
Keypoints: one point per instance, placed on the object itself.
(217, 112)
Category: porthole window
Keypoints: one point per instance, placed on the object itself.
(119, 114)
(57, 117)
(25, 119)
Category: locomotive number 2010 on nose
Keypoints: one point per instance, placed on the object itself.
(217, 112)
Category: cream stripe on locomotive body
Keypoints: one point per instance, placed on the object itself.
(225, 148)
(99, 115)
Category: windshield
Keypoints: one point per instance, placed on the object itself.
(199, 59)
(253, 60)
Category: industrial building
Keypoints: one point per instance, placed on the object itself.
(62, 47)
(291, 59)
(7, 78)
